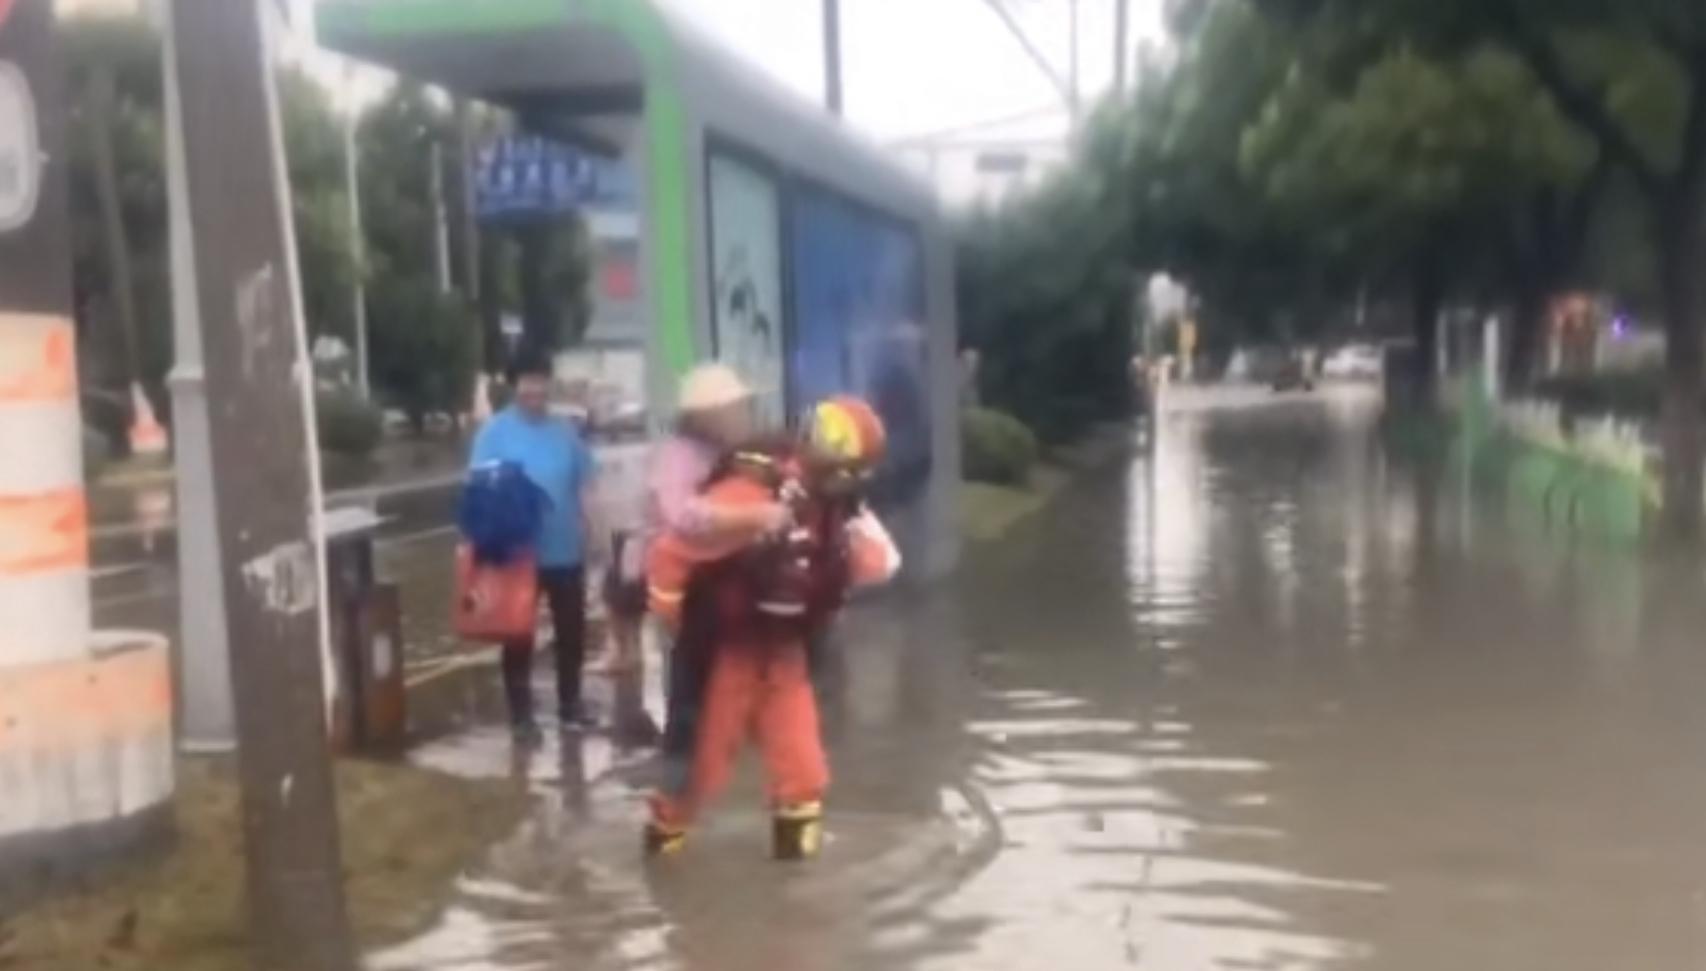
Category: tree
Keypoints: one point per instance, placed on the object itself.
(1459, 172)
(314, 142)
(424, 343)
(423, 353)
(1259, 269)
(1631, 76)
(1046, 293)
(118, 200)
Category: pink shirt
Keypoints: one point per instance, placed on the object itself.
(680, 466)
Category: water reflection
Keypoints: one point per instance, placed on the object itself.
(1317, 710)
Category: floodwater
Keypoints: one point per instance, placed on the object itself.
(1262, 698)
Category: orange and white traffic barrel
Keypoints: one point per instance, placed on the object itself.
(85, 719)
(44, 522)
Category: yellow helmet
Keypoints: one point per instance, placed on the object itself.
(846, 432)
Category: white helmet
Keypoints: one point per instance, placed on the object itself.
(711, 386)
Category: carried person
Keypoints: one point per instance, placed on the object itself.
(715, 415)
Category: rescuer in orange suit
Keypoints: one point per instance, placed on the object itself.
(764, 602)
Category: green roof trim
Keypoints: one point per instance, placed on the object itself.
(391, 18)
(666, 157)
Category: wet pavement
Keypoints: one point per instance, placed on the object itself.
(1263, 698)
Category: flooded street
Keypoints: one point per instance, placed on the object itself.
(1264, 697)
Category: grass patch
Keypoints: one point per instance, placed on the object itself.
(407, 833)
(988, 512)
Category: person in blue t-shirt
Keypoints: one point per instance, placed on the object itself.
(555, 458)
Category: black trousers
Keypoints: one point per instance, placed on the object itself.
(564, 589)
(689, 669)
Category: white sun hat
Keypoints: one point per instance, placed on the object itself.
(711, 386)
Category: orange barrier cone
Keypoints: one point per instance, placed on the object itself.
(147, 435)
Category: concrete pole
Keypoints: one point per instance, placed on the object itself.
(85, 718)
(266, 481)
(207, 718)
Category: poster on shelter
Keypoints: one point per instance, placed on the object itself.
(746, 279)
(858, 291)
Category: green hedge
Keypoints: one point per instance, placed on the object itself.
(998, 447)
(349, 427)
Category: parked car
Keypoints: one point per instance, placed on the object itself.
(1354, 362)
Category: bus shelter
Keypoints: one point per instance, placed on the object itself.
(769, 236)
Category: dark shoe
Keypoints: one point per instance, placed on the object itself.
(527, 734)
(797, 832)
(577, 717)
(638, 731)
(659, 840)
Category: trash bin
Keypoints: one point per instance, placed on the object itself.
(369, 711)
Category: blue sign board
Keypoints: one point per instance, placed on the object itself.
(528, 177)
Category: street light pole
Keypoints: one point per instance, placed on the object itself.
(264, 476)
(440, 224)
(207, 720)
(358, 249)
(1076, 97)
(832, 56)
(1122, 44)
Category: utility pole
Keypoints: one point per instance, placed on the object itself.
(207, 719)
(1122, 44)
(480, 408)
(832, 56)
(264, 479)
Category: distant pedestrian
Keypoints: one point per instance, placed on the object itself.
(555, 458)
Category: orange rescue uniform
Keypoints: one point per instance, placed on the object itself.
(759, 686)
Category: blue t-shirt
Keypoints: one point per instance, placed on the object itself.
(552, 454)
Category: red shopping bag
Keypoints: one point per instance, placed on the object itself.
(495, 603)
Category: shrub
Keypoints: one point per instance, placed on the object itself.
(998, 447)
(349, 427)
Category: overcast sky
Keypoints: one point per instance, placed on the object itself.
(915, 67)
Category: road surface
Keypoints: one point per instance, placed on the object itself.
(1263, 698)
